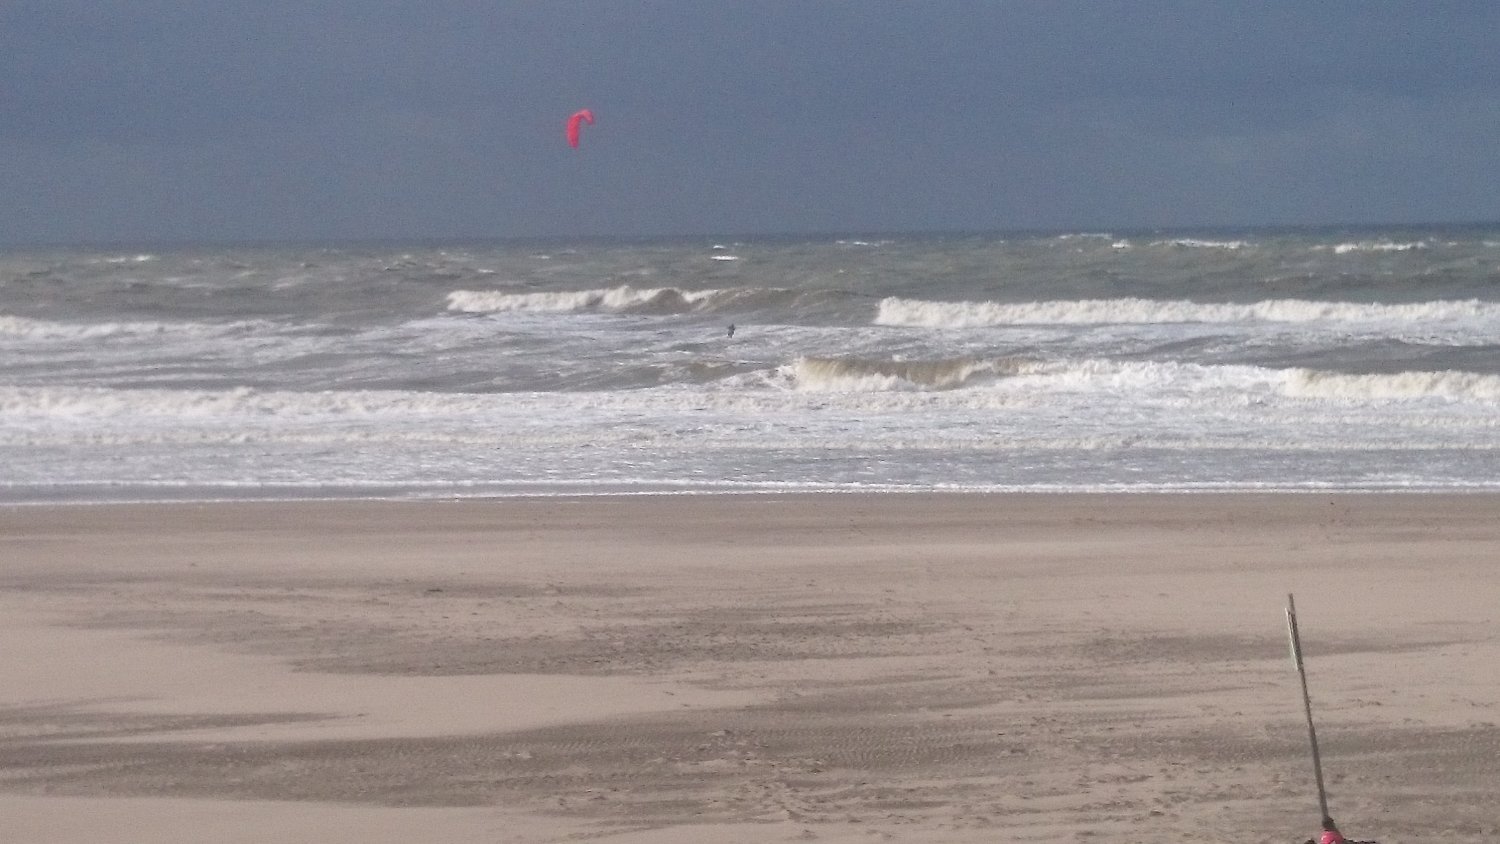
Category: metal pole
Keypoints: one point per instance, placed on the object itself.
(1312, 732)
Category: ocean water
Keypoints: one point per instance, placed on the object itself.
(1155, 361)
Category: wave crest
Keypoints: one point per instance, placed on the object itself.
(873, 375)
(895, 311)
(92, 403)
(1377, 246)
(620, 299)
(25, 328)
(1200, 243)
(1453, 385)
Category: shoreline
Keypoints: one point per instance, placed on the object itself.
(947, 667)
(321, 496)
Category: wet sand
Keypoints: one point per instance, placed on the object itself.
(846, 668)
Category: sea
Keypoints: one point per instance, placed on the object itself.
(1300, 360)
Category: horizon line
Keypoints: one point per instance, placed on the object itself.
(173, 243)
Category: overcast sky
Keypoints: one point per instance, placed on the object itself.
(148, 120)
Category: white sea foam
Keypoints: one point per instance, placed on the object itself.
(854, 386)
(24, 328)
(915, 312)
(117, 377)
(1186, 381)
(611, 299)
(101, 402)
(36, 329)
(1255, 384)
(1377, 246)
(1465, 386)
(867, 375)
(996, 382)
(1196, 243)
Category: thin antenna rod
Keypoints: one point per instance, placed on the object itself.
(1312, 732)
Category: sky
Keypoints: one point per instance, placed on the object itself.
(227, 120)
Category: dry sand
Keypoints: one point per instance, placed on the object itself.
(837, 668)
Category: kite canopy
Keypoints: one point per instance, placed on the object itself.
(578, 118)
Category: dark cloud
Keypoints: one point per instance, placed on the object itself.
(365, 119)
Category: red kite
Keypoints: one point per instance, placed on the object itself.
(584, 116)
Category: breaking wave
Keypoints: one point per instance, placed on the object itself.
(795, 395)
(1463, 386)
(620, 299)
(1377, 246)
(1254, 382)
(178, 405)
(24, 328)
(1198, 243)
(854, 375)
(918, 313)
(868, 375)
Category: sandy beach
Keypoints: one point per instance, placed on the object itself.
(842, 668)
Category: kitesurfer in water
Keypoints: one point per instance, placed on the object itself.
(731, 329)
